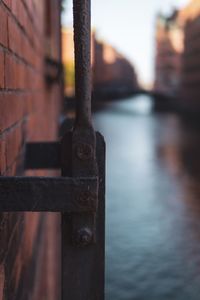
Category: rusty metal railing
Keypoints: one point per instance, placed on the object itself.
(80, 194)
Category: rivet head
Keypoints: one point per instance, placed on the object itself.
(84, 151)
(83, 237)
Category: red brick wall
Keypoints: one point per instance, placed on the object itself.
(29, 111)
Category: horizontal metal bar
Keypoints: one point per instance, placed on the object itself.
(59, 194)
(43, 155)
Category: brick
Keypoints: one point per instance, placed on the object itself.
(12, 109)
(3, 27)
(23, 17)
(14, 37)
(7, 3)
(10, 71)
(2, 156)
(2, 70)
(14, 144)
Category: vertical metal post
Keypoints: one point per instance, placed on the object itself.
(84, 138)
(82, 258)
(83, 234)
(82, 42)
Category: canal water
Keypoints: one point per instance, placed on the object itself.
(153, 203)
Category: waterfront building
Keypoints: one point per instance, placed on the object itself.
(189, 18)
(169, 48)
(177, 67)
(112, 73)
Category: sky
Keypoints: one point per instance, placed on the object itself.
(129, 26)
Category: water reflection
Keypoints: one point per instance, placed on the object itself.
(153, 204)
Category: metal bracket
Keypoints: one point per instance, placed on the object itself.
(71, 194)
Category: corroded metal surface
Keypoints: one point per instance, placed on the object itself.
(82, 32)
(83, 244)
(71, 195)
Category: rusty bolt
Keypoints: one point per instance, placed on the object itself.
(83, 237)
(84, 151)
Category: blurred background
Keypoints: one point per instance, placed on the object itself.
(146, 102)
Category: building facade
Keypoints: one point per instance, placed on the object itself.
(190, 76)
(177, 71)
(169, 49)
(30, 102)
(68, 60)
(112, 73)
